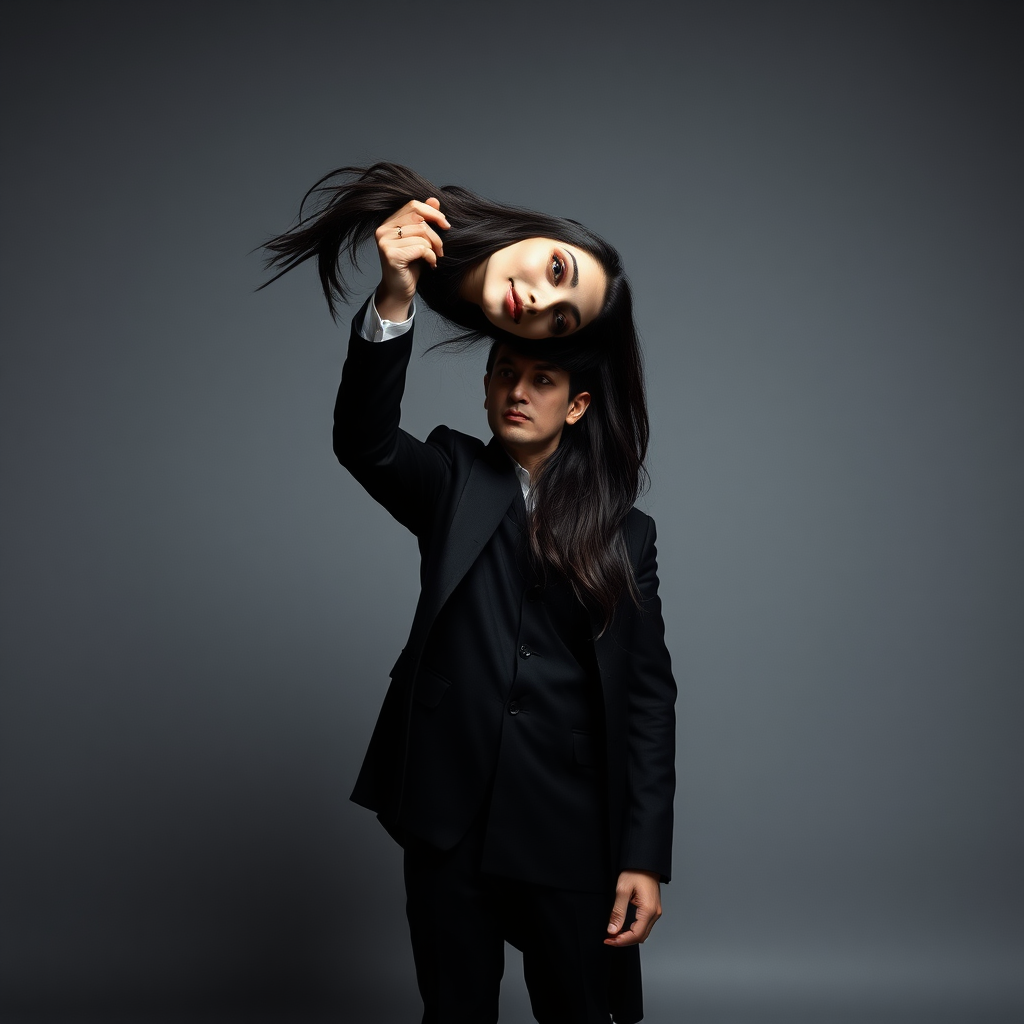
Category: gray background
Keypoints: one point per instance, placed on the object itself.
(820, 208)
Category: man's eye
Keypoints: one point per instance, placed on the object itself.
(557, 268)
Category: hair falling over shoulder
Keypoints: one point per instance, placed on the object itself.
(590, 483)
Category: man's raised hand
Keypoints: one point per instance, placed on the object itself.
(403, 240)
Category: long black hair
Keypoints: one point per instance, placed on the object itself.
(588, 485)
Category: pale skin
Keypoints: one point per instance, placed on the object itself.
(527, 400)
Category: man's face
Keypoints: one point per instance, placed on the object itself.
(528, 405)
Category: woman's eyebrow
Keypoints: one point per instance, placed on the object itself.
(575, 271)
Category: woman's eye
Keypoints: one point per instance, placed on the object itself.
(560, 323)
(557, 268)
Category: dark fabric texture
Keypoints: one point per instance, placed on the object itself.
(460, 918)
(503, 645)
(431, 760)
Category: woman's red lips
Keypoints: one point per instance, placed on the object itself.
(513, 303)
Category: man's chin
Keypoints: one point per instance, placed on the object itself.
(516, 433)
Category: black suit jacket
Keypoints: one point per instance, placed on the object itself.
(451, 492)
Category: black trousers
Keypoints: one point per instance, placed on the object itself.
(460, 919)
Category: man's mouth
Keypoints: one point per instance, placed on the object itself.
(516, 416)
(513, 304)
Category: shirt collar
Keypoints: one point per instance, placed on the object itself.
(524, 482)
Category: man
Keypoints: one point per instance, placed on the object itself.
(524, 752)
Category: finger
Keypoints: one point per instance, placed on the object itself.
(399, 252)
(645, 918)
(417, 249)
(421, 229)
(405, 253)
(626, 938)
(617, 918)
(636, 933)
(414, 211)
(393, 233)
(430, 210)
(648, 911)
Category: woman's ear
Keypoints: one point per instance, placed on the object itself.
(577, 407)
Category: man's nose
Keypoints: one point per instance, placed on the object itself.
(518, 392)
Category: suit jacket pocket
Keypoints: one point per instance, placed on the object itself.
(430, 687)
(584, 750)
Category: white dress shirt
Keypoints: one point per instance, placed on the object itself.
(375, 329)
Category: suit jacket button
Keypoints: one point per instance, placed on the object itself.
(524, 651)
(513, 708)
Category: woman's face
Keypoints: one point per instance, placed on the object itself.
(538, 288)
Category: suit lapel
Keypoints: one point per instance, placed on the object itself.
(490, 489)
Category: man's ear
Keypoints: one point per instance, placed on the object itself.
(487, 381)
(577, 407)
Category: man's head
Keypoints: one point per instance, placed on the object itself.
(529, 403)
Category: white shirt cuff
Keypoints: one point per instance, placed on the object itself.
(377, 330)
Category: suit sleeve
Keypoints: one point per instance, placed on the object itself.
(651, 728)
(404, 474)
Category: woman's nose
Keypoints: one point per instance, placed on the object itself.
(538, 300)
